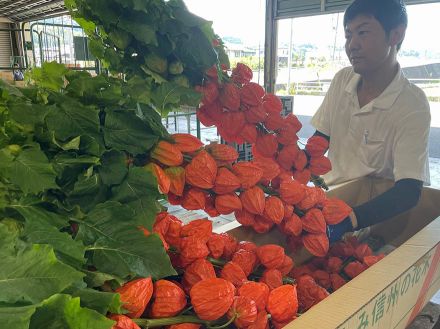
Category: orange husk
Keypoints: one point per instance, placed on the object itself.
(177, 179)
(320, 165)
(248, 173)
(193, 199)
(201, 171)
(313, 222)
(253, 200)
(226, 182)
(163, 181)
(316, 244)
(227, 203)
(291, 191)
(270, 168)
(266, 144)
(335, 210)
(251, 94)
(274, 209)
(186, 143)
(222, 153)
(167, 154)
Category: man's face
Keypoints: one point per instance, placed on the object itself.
(367, 45)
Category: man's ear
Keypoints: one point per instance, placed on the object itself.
(397, 34)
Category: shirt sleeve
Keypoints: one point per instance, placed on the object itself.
(411, 146)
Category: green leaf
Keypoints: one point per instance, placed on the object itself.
(8, 239)
(32, 172)
(96, 279)
(71, 119)
(73, 144)
(129, 252)
(33, 275)
(139, 89)
(29, 212)
(100, 301)
(64, 312)
(142, 32)
(49, 76)
(138, 183)
(38, 231)
(124, 131)
(25, 112)
(16, 317)
(114, 167)
(88, 191)
(149, 115)
(104, 220)
(169, 96)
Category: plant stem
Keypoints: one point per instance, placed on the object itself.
(152, 323)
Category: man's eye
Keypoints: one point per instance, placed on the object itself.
(363, 32)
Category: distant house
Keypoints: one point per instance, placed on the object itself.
(237, 50)
(427, 71)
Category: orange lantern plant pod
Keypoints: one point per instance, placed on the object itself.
(186, 143)
(226, 181)
(246, 259)
(194, 199)
(244, 311)
(241, 74)
(201, 171)
(198, 228)
(253, 200)
(320, 165)
(282, 303)
(135, 295)
(123, 322)
(272, 278)
(316, 244)
(272, 103)
(291, 191)
(212, 298)
(216, 245)
(270, 255)
(252, 94)
(230, 96)
(227, 203)
(233, 273)
(167, 154)
(163, 181)
(316, 146)
(168, 299)
(177, 179)
(313, 222)
(200, 269)
(274, 209)
(335, 211)
(257, 291)
(244, 217)
(222, 153)
(248, 173)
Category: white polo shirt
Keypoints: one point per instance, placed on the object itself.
(386, 138)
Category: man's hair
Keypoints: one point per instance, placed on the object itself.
(389, 13)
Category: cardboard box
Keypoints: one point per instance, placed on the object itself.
(391, 293)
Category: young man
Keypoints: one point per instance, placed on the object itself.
(376, 121)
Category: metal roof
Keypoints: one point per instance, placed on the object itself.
(26, 10)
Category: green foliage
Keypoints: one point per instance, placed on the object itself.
(152, 41)
(64, 145)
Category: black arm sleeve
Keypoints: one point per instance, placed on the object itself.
(403, 196)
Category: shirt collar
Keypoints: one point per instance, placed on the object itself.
(388, 96)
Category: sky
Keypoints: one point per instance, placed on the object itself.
(245, 19)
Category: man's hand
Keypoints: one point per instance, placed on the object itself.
(335, 232)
